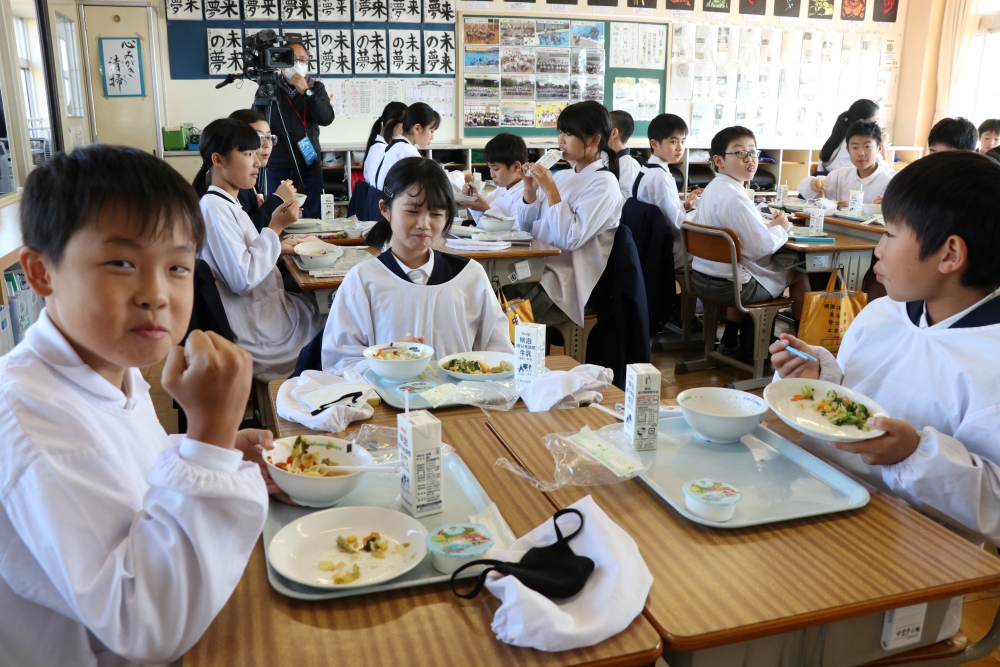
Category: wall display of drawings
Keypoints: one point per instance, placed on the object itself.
(781, 82)
(369, 11)
(522, 72)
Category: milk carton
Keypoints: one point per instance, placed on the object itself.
(529, 351)
(329, 211)
(421, 477)
(642, 405)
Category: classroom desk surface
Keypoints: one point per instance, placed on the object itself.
(426, 625)
(385, 415)
(537, 249)
(767, 579)
(308, 282)
(842, 243)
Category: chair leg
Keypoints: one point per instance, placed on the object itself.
(572, 340)
(711, 325)
(763, 321)
(687, 342)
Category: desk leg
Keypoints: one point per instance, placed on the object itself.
(856, 264)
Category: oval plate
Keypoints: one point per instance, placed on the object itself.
(296, 550)
(491, 358)
(800, 415)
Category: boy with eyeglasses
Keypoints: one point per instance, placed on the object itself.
(726, 204)
(256, 206)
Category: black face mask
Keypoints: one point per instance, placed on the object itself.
(554, 570)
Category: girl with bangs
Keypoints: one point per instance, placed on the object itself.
(412, 292)
(268, 323)
(577, 210)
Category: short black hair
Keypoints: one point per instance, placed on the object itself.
(951, 193)
(222, 136)
(958, 133)
(724, 137)
(430, 180)
(248, 116)
(993, 154)
(665, 126)
(622, 121)
(67, 193)
(865, 128)
(420, 113)
(507, 149)
(990, 125)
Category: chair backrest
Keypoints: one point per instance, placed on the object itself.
(714, 244)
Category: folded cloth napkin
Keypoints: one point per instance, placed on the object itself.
(333, 419)
(560, 390)
(614, 594)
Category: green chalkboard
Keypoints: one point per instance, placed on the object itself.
(610, 73)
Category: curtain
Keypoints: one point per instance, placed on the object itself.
(961, 20)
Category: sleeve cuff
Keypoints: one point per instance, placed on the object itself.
(210, 457)
(829, 369)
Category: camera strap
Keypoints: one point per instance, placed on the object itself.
(301, 116)
(305, 146)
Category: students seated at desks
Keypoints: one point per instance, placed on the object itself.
(989, 135)
(267, 322)
(412, 292)
(259, 209)
(418, 123)
(656, 185)
(835, 153)
(864, 138)
(120, 543)
(725, 203)
(377, 143)
(928, 354)
(952, 134)
(505, 154)
(577, 211)
(622, 127)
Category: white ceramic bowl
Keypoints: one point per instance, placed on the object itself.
(496, 225)
(317, 254)
(317, 491)
(721, 415)
(403, 370)
(301, 199)
(872, 209)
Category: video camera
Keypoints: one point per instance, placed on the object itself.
(264, 53)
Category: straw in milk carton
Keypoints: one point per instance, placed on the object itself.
(421, 477)
(642, 405)
(529, 350)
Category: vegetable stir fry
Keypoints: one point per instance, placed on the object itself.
(310, 464)
(472, 367)
(839, 410)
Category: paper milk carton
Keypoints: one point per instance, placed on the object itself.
(529, 351)
(329, 210)
(642, 405)
(421, 477)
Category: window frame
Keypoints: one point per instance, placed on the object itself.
(70, 76)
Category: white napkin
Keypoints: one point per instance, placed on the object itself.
(560, 390)
(614, 594)
(828, 205)
(477, 245)
(336, 417)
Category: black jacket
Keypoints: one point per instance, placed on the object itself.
(654, 239)
(259, 215)
(316, 110)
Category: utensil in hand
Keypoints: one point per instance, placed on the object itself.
(384, 467)
(801, 354)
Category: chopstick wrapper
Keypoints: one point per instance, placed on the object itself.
(333, 419)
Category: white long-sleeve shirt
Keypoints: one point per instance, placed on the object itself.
(118, 544)
(582, 226)
(839, 183)
(373, 158)
(455, 311)
(842, 158)
(658, 188)
(942, 381)
(268, 323)
(502, 201)
(399, 149)
(628, 169)
(725, 204)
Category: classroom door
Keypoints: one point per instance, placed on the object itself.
(121, 80)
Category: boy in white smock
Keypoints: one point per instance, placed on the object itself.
(864, 138)
(505, 154)
(119, 544)
(622, 127)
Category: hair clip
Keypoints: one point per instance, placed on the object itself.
(387, 192)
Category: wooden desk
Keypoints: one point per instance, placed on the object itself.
(308, 282)
(871, 232)
(499, 264)
(716, 587)
(850, 252)
(427, 625)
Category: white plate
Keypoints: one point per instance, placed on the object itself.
(302, 223)
(800, 415)
(296, 550)
(463, 232)
(465, 199)
(467, 232)
(491, 358)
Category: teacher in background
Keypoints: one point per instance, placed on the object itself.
(834, 154)
(303, 105)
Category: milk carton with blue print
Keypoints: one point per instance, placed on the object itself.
(642, 405)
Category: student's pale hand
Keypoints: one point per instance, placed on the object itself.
(817, 187)
(692, 199)
(480, 204)
(286, 191)
(300, 83)
(289, 242)
(878, 200)
(898, 443)
(210, 378)
(410, 338)
(260, 200)
(780, 218)
(252, 442)
(842, 203)
(789, 365)
(284, 215)
(530, 187)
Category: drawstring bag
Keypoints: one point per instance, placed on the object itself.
(518, 311)
(827, 314)
(553, 571)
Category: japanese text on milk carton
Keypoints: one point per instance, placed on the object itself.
(529, 350)
(421, 478)
(642, 405)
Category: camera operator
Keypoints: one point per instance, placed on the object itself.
(302, 106)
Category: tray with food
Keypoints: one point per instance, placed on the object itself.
(368, 543)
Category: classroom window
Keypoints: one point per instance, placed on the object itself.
(21, 37)
(69, 66)
(28, 90)
(974, 96)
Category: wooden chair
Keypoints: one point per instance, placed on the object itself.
(687, 341)
(575, 337)
(717, 244)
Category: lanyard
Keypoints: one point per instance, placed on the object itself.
(305, 110)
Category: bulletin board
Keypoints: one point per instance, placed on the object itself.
(528, 49)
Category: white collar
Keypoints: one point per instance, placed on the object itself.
(655, 160)
(597, 164)
(427, 269)
(216, 188)
(944, 324)
(379, 139)
(731, 180)
(871, 177)
(513, 188)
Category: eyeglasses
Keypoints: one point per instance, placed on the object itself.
(743, 155)
(271, 139)
(304, 61)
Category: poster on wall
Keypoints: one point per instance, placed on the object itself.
(641, 4)
(308, 40)
(335, 52)
(821, 9)
(184, 10)
(328, 10)
(715, 6)
(679, 5)
(790, 8)
(370, 10)
(594, 3)
(121, 66)
(482, 31)
(222, 10)
(552, 33)
(404, 52)
(300, 10)
(884, 11)
(439, 11)
(369, 52)
(757, 7)
(225, 51)
(853, 10)
(550, 2)
(439, 52)
(587, 34)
